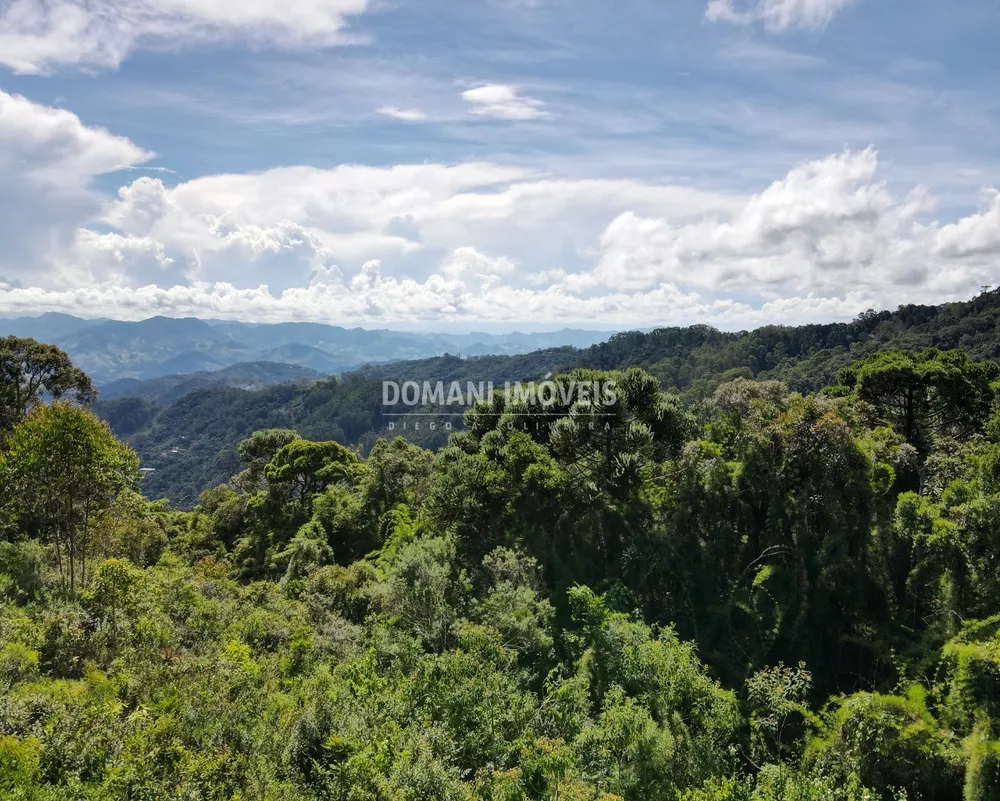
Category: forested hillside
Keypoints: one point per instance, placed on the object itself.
(166, 389)
(191, 442)
(806, 357)
(763, 595)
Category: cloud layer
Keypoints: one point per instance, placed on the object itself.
(466, 242)
(38, 37)
(779, 15)
(48, 160)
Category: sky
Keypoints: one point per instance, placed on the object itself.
(440, 163)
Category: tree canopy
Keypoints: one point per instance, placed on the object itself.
(60, 470)
(926, 393)
(30, 372)
(754, 594)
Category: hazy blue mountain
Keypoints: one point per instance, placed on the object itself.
(111, 350)
(166, 389)
(308, 356)
(45, 327)
(150, 348)
(191, 361)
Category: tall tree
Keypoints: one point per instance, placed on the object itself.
(258, 449)
(923, 394)
(302, 468)
(62, 468)
(30, 372)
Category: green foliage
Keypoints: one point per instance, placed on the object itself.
(424, 588)
(982, 775)
(301, 468)
(23, 568)
(112, 595)
(890, 743)
(19, 767)
(970, 672)
(513, 605)
(923, 394)
(777, 698)
(767, 596)
(31, 371)
(17, 663)
(781, 783)
(257, 450)
(60, 471)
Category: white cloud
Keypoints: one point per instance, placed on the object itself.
(765, 56)
(281, 226)
(465, 242)
(504, 102)
(37, 37)
(48, 161)
(404, 114)
(829, 224)
(779, 15)
(469, 264)
(48, 143)
(370, 297)
(973, 236)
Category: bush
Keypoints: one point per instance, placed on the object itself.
(17, 663)
(891, 743)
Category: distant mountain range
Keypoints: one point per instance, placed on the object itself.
(249, 375)
(111, 350)
(189, 438)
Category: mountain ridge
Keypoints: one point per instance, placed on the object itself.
(109, 350)
(191, 441)
(164, 390)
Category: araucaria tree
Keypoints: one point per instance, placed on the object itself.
(61, 469)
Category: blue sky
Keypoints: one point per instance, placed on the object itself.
(502, 161)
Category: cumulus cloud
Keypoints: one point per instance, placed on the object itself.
(829, 224)
(404, 114)
(504, 102)
(464, 242)
(48, 162)
(973, 236)
(49, 143)
(281, 226)
(371, 297)
(778, 15)
(827, 221)
(37, 37)
(469, 264)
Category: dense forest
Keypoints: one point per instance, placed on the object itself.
(757, 593)
(190, 438)
(191, 443)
